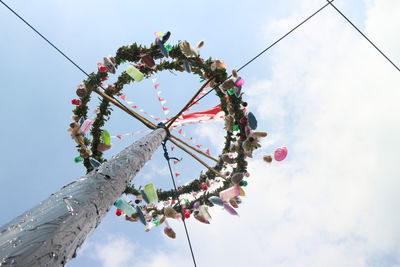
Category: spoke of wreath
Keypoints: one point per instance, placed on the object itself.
(126, 109)
(152, 126)
(148, 123)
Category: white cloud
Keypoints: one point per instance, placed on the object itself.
(212, 132)
(116, 252)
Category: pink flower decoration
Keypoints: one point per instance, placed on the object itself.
(280, 153)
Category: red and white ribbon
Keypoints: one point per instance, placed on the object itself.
(214, 113)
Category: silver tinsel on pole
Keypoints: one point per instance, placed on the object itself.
(50, 233)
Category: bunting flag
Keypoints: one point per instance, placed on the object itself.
(200, 116)
(130, 103)
(160, 100)
(205, 150)
(120, 136)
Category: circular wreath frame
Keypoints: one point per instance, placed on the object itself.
(231, 104)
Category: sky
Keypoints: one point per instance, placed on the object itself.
(323, 92)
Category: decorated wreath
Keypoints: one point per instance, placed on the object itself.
(221, 185)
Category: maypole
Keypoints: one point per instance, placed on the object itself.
(50, 233)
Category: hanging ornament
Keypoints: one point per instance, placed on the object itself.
(148, 60)
(204, 186)
(151, 193)
(168, 47)
(169, 232)
(280, 153)
(102, 68)
(237, 178)
(233, 203)
(103, 147)
(158, 35)
(237, 90)
(216, 201)
(187, 67)
(267, 158)
(170, 212)
(130, 219)
(141, 215)
(239, 82)
(144, 196)
(138, 199)
(229, 209)
(76, 102)
(226, 85)
(162, 48)
(229, 193)
(118, 212)
(106, 138)
(190, 51)
(134, 73)
(201, 218)
(82, 91)
(109, 63)
(243, 183)
(86, 125)
(252, 121)
(187, 213)
(125, 207)
(196, 205)
(78, 159)
(203, 211)
(165, 37)
(94, 163)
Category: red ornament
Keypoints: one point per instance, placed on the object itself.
(173, 202)
(103, 68)
(243, 120)
(204, 186)
(76, 102)
(118, 212)
(187, 214)
(104, 79)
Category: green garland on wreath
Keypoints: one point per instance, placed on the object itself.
(240, 139)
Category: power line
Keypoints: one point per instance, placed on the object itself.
(355, 27)
(268, 48)
(41, 35)
(168, 158)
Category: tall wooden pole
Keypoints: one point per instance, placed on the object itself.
(50, 233)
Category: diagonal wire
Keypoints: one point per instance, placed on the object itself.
(112, 99)
(41, 35)
(177, 199)
(268, 48)
(355, 27)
